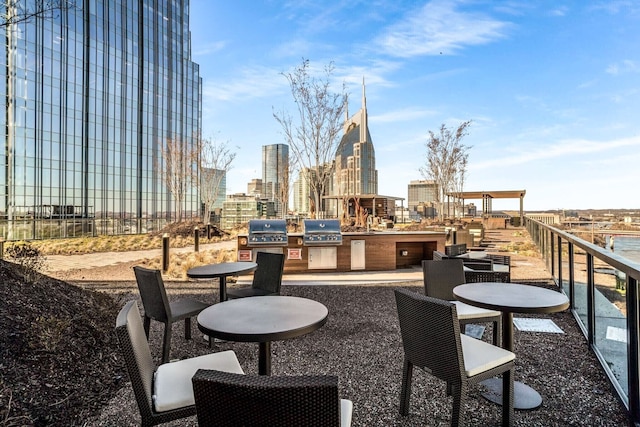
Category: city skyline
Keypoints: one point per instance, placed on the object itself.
(551, 88)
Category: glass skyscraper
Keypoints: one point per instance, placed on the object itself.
(92, 95)
(275, 175)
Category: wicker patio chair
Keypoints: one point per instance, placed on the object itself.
(224, 399)
(500, 259)
(476, 276)
(267, 278)
(163, 393)
(439, 256)
(157, 306)
(440, 277)
(431, 339)
(455, 250)
(478, 264)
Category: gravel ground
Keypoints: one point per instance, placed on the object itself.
(361, 344)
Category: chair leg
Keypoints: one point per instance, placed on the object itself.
(405, 391)
(166, 342)
(147, 325)
(497, 333)
(187, 328)
(507, 398)
(459, 397)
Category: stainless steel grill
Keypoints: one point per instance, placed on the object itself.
(267, 232)
(322, 232)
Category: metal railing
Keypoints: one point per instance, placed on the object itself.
(603, 290)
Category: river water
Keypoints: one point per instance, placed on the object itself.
(627, 246)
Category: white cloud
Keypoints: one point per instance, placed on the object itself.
(559, 11)
(615, 7)
(563, 149)
(406, 114)
(439, 28)
(255, 82)
(209, 48)
(626, 66)
(374, 74)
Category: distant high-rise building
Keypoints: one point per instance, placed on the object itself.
(421, 192)
(355, 165)
(275, 174)
(302, 192)
(238, 209)
(254, 187)
(89, 97)
(207, 190)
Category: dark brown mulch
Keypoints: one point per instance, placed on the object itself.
(59, 357)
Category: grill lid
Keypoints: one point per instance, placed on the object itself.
(267, 232)
(322, 232)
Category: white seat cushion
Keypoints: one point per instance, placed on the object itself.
(346, 409)
(480, 356)
(466, 311)
(172, 387)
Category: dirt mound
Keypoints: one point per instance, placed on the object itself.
(59, 355)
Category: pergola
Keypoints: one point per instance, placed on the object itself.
(376, 204)
(488, 196)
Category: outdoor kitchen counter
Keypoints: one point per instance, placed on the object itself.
(383, 250)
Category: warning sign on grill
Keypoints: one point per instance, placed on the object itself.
(294, 253)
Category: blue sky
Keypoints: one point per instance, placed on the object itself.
(552, 87)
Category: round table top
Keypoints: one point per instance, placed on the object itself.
(262, 318)
(211, 271)
(511, 297)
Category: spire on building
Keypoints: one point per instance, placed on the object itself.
(364, 123)
(346, 110)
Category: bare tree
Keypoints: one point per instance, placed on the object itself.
(178, 168)
(215, 162)
(313, 137)
(447, 161)
(16, 11)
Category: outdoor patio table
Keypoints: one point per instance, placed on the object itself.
(496, 267)
(511, 298)
(221, 271)
(263, 320)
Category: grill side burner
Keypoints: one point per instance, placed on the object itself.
(322, 232)
(267, 232)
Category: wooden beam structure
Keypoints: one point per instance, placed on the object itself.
(488, 196)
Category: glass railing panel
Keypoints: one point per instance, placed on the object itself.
(580, 286)
(564, 265)
(611, 320)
